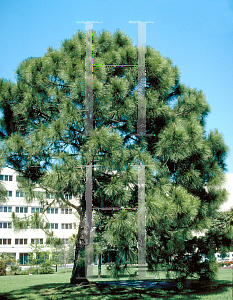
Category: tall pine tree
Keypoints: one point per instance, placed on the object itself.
(43, 138)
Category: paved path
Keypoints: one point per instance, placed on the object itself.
(142, 284)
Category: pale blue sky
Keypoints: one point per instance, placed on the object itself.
(196, 34)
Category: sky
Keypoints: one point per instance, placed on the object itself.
(196, 34)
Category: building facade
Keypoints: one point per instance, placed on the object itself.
(62, 220)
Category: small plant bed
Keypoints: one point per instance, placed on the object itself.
(225, 264)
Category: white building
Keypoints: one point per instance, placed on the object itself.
(61, 220)
(229, 187)
(228, 257)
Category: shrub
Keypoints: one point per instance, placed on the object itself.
(25, 272)
(2, 268)
(33, 270)
(46, 267)
(208, 270)
(116, 269)
(15, 270)
(4, 259)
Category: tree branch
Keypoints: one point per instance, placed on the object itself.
(59, 84)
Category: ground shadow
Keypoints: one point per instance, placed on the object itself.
(106, 290)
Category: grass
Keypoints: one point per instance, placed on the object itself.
(56, 286)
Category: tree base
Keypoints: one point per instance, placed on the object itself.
(78, 280)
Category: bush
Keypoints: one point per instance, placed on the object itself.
(116, 269)
(46, 267)
(2, 268)
(33, 270)
(208, 270)
(4, 259)
(25, 272)
(15, 270)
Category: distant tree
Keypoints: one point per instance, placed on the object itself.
(7, 258)
(43, 137)
(219, 236)
(220, 232)
(56, 250)
(36, 256)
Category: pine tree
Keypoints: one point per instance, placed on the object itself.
(43, 137)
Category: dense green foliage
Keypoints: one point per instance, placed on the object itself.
(6, 258)
(43, 129)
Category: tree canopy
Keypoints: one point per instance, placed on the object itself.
(42, 130)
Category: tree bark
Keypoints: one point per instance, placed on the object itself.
(79, 273)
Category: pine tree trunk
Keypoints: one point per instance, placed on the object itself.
(79, 273)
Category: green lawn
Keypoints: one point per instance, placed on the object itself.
(56, 286)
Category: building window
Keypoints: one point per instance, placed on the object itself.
(19, 194)
(23, 257)
(50, 196)
(36, 209)
(38, 241)
(51, 210)
(6, 209)
(65, 241)
(52, 225)
(21, 209)
(68, 196)
(5, 225)
(66, 211)
(5, 241)
(9, 193)
(66, 226)
(36, 227)
(6, 177)
(39, 194)
(21, 241)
